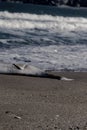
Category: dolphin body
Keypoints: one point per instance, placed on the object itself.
(28, 70)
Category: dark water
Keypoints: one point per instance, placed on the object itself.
(40, 9)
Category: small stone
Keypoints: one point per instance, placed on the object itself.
(7, 112)
(17, 117)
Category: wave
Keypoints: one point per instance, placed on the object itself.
(37, 29)
(29, 21)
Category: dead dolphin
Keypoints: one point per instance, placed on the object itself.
(28, 70)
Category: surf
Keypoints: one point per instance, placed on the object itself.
(51, 39)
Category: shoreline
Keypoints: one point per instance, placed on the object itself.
(43, 103)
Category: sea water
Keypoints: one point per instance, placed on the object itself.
(51, 38)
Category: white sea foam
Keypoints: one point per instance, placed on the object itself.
(71, 58)
(29, 21)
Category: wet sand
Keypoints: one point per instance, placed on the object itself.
(33, 103)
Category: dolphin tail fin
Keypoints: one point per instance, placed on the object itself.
(20, 66)
(52, 76)
(66, 79)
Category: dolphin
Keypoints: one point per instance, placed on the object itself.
(28, 70)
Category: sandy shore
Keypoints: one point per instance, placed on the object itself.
(31, 103)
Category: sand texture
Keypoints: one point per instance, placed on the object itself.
(34, 103)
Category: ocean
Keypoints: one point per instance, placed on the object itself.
(51, 38)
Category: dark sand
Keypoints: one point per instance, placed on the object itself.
(31, 103)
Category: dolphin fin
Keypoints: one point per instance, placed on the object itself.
(20, 66)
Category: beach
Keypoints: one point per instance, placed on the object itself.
(34, 103)
(49, 39)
